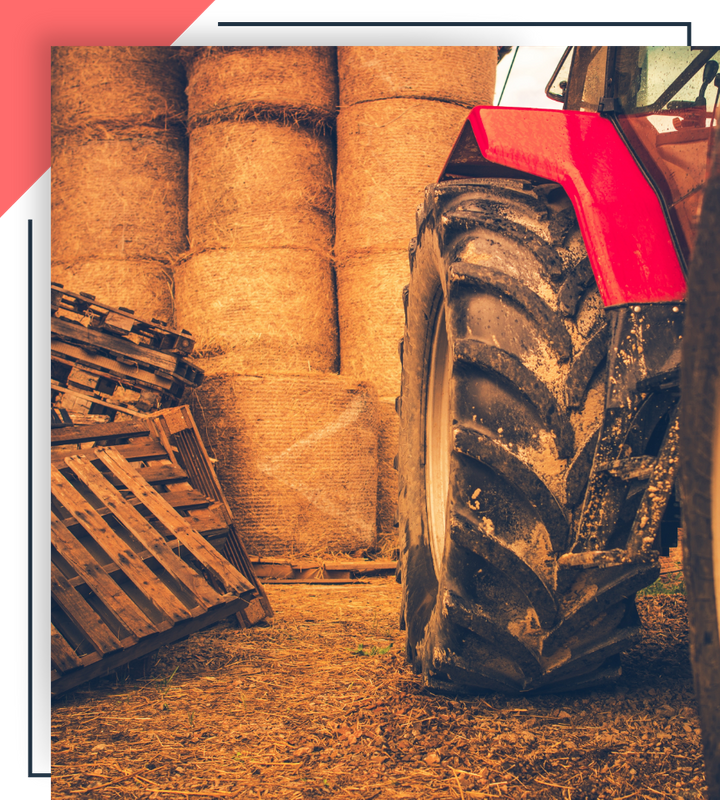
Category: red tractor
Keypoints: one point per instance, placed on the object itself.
(540, 407)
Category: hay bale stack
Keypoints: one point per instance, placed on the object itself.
(401, 109)
(296, 455)
(119, 174)
(296, 445)
(261, 206)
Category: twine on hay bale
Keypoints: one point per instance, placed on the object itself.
(370, 311)
(119, 85)
(388, 151)
(274, 309)
(144, 286)
(388, 444)
(461, 75)
(282, 83)
(124, 196)
(296, 455)
(257, 184)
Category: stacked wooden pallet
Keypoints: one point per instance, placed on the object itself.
(138, 519)
(106, 360)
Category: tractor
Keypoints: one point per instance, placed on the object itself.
(546, 460)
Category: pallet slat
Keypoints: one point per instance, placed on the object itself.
(151, 540)
(99, 581)
(156, 593)
(228, 576)
(82, 613)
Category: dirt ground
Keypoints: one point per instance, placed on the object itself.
(320, 703)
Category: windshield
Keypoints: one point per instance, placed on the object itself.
(665, 79)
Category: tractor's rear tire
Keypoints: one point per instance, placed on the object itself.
(700, 472)
(503, 391)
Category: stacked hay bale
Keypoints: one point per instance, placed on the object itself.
(401, 109)
(296, 444)
(119, 174)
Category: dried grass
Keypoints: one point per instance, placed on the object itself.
(260, 184)
(321, 704)
(370, 312)
(388, 448)
(461, 75)
(296, 84)
(388, 152)
(297, 457)
(121, 197)
(116, 86)
(273, 308)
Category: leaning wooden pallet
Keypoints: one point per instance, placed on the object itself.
(166, 450)
(126, 582)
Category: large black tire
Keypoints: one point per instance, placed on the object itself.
(700, 472)
(503, 386)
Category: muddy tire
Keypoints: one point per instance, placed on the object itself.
(504, 360)
(700, 473)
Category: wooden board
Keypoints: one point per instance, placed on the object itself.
(124, 580)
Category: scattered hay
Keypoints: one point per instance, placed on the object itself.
(119, 197)
(260, 184)
(143, 286)
(460, 75)
(273, 308)
(280, 83)
(116, 86)
(322, 704)
(296, 456)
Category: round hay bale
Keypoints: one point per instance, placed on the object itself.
(370, 312)
(388, 444)
(116, 85)
(296, 456)
(143, 286)
(274, 309)
(119, 197)
(234, 83)
(388, 151)
(461, 75)
(258, 184)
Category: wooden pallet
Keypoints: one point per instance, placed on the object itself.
(167, 451)
(105, 360)
(125, 582)
(286, 570)
(85, 309)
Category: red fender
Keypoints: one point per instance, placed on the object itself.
(620, 216)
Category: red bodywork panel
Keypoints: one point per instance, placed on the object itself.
(622, 222)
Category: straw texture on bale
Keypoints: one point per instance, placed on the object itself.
(124, 196)
(257, 184)
(120, 85)
(145, 287)
(388, 151)
(273, 308)
(388, 443)
(461, 75)
(370, 312)
(286, 83)
(297, 457)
